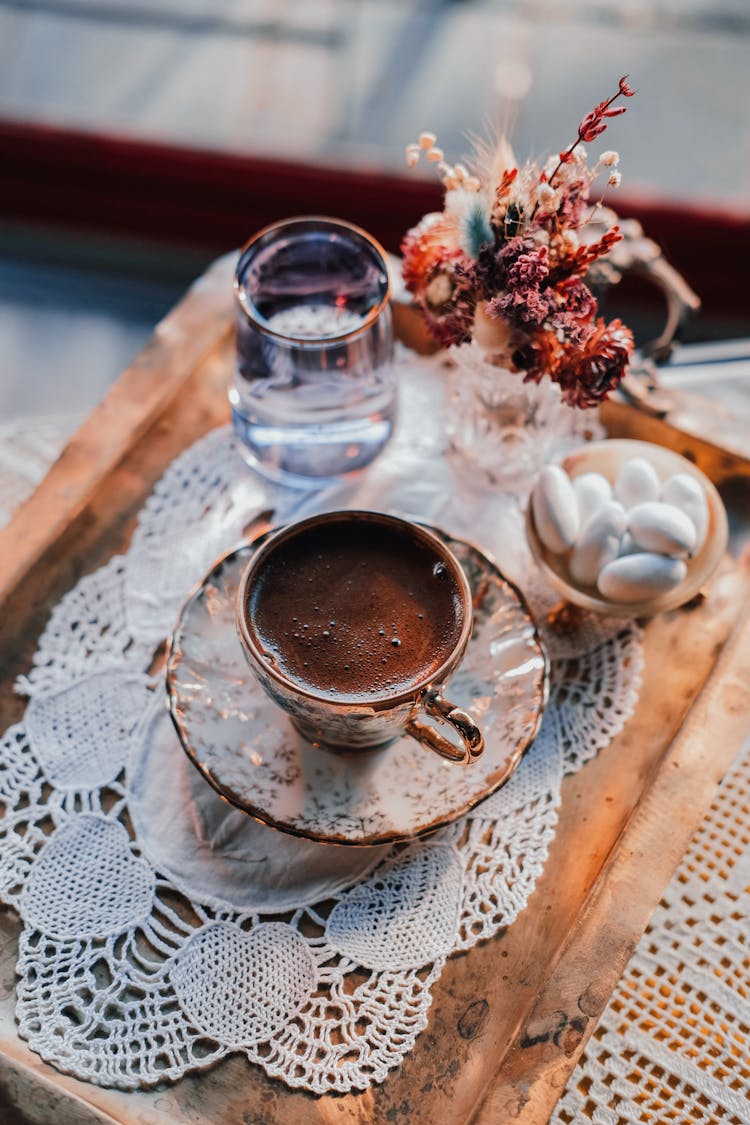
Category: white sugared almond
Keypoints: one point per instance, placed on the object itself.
(555, 509)
(598, 543)
(637, 483)
(661, 527)
(640, 577)
(686, 493)
(592, 493)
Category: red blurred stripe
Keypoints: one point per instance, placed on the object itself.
(214, 200)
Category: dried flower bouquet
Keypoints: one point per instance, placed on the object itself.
(504, 263)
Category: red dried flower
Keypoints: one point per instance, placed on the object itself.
(575, 310)
(587, 376)
(448, 302)
(438, 273)
(526, 308)
(582, 258)
(595, 122)
(589, 129)
(505, 184)
(433, 240)
(525, 269)
(528, 268)
(539, 357)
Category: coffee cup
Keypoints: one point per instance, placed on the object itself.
(352, 621)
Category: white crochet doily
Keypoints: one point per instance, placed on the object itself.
(163, 929)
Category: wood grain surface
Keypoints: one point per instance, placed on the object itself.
(510, 1017)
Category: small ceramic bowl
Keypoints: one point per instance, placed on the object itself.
(607, 458)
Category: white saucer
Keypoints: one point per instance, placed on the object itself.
(248, 750)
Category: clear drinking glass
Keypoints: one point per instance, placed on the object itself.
(314, 393)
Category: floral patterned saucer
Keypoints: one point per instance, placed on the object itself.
(248, 750)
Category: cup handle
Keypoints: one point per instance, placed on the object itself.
(472, 739)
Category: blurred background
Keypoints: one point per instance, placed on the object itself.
(142, 138)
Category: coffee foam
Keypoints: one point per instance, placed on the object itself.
(355, 612)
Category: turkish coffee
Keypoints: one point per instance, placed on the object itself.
(355, 610)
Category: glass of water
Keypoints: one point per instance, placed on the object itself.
(314, 394)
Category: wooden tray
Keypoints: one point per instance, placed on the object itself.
(510, 1017)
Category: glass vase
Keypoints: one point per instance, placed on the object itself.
(503, 430)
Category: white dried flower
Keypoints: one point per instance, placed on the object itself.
(412, 155)
(427, 140)
(551, 165)
(435, 154)
(462, 172)
(447, 175)
(459, 200)
(473, 184)
(615, 179)
(610, 158)
(545, 193)
(456, 201)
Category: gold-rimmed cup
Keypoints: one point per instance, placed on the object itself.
(416, 620)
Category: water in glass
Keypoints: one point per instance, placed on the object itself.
(314, 394)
